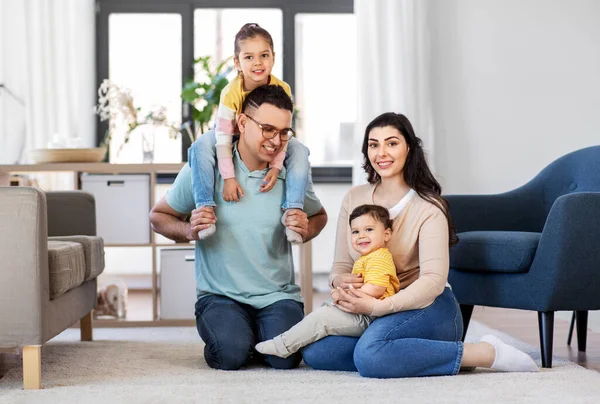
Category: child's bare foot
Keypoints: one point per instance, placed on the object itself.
(292, 236)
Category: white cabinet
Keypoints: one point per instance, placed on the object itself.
(177, 283)
(122, 206)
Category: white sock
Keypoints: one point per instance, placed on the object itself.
(202, 234)
(508, 358)
(292, 236)
(273, 347)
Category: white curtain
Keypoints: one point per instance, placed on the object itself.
(393, 68)
(48, 60)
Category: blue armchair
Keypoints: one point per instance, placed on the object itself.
(534, 248)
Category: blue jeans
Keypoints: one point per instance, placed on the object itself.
(202, 160)
(425, 342)
(297, 177)
(230, 330)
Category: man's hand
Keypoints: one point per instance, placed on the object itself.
(269, 181)
(297, 220)
(344, 281)
(231, 190)
(201, 219)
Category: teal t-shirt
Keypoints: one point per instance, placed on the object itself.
(248, 259)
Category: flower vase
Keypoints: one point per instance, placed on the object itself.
(148, 141)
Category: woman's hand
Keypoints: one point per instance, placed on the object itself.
(344, 281)
(355, 301)
(335, 295)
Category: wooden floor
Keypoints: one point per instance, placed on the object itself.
(517, 323)
(524, 326)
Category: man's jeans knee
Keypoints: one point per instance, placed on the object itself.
(227, 354)
(231, 329)
(274, 320)
(223, 326)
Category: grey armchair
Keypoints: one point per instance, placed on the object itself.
(50, 258)
(533, 248)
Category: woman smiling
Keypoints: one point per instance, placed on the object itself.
(418, 330)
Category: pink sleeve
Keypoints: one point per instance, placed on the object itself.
(278, 160)
(226, 167)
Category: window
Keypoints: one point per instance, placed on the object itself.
(326, 85)
(147, 61)
(149, 47)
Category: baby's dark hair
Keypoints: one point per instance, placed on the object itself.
(379, 213)
(249, 31)
(274, 95)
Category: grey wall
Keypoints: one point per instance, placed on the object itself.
(516, 84)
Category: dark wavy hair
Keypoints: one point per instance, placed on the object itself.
(416, 171)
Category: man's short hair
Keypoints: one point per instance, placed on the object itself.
(378, 213)
(274, 95)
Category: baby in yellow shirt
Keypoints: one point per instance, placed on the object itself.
(371, 228)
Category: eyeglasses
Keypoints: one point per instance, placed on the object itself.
(269, 132)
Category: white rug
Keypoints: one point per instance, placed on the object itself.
(160, 365)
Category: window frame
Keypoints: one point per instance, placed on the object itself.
(186, 9)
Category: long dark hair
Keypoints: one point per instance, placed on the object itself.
(416, 171)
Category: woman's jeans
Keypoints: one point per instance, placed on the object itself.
(202, 160)
(425, 342)
(231, 329)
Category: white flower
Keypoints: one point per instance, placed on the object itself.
(116, 105)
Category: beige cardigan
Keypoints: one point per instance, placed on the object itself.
(419, 245)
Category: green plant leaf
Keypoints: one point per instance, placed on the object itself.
(207, 90)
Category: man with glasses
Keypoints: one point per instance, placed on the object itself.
(244, 273)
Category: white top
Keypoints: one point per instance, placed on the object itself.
(397, 208)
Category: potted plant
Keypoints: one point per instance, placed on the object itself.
(204, 95)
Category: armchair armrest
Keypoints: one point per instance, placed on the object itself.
(71, 213)
(569, 250)
(24, 283)
(517, 210)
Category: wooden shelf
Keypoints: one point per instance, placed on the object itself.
(106, 168)
(151, 245)
(108, 323)
(153, 170)
(96, 168)
(129, 245)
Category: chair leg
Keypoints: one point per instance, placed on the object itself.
(582, 321)
(32, 367)
(546, 325)
(571, 329)
(85, 327)
(466, 310)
